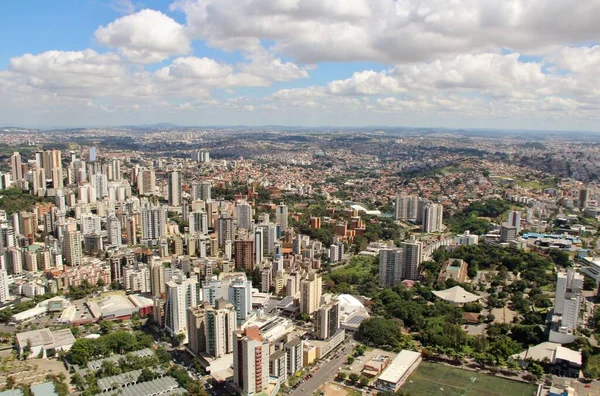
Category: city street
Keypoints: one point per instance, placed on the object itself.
(326, 372)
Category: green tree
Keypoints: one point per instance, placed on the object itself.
(146, 375)
(364, 381)
(536, 369)
(354, 378)
(341, 376)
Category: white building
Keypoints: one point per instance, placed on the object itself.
(394, 376)
(432, 218)
(198, 222)
(466, 239)
(4, 286)
(240, 295)
(154, 224)
(113, 230)
(181, 294)
(174, 188)
(569, 286)
(91, 224)
(39, 342)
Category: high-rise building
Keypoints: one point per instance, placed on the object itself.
(244, 254)
(390, 267)
(293, 352)
(158, 279)
(432, 218)
(113, 230)
(154, 224)
(4, 290)
(281, 216)
(514, 219)
(92, 154)
(225, 230)
(51, 160)
(240, 295)
(413, 255)
(201, 156)
(198, 222)
(258, 246)
(175, 188)
(131, 230)
(266, 280)
(146, 182)
(250, 361)
(115, 170)
(327, 320)
(569, 286)
(16, 167)
(508, 233)
(401, 263)
(201, 191)
(310, 293)
(196, 319)
(182, 294)
(72, 245)
(244, 215)
(336, 252)
(406, 208)
(220, 324)
(584, 195)
(211, 290)
(91, 224)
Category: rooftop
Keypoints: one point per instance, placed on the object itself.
(396, 370)
(457, 295)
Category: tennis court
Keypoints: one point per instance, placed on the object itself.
(431, 379)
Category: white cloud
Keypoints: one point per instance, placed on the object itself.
(267, 66)
(122, 6)
(147, 36)
(390, 31)
(70, 73)
(584, 60)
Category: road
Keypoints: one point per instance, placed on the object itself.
(326, 373)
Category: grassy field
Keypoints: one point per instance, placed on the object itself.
(434, 379)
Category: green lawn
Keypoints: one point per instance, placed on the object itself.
(431, 379)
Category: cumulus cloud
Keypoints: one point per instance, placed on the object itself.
(77, 73)
(390, 31)
(266, 65)
(578, 59)
(147, 36)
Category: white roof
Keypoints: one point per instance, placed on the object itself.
(397, 369)
(349, 304)
(551, 351)
(568, 355)
(456, 294)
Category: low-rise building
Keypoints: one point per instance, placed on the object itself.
(564, 361)
(43, 343)
(394, 376)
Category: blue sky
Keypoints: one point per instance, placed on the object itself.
(366, 62)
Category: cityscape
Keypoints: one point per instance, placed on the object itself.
(300, 198)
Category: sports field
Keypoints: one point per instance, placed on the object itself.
(431, 379)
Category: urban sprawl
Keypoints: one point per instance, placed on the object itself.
(277, 261)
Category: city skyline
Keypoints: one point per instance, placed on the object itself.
(476, 64)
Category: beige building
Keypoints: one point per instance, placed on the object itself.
(310, 293)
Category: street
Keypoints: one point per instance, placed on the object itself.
(327, 372)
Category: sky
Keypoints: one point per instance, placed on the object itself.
(504, 64)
